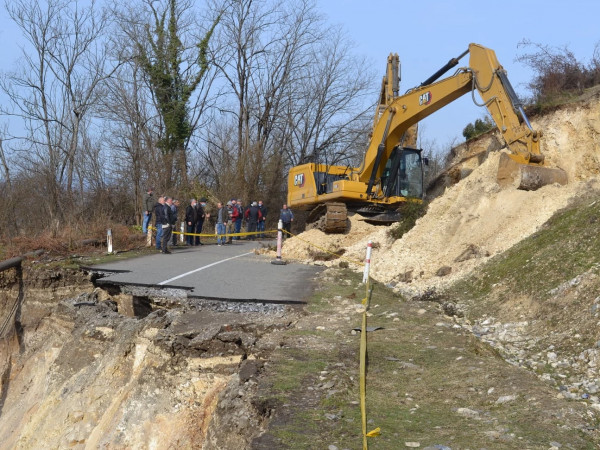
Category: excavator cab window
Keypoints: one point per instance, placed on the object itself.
(403, 173)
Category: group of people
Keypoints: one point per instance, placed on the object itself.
(228, 219)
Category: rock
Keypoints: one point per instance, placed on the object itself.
(472, 251)
(466, 412)
(451, 309)
(328, 385)
(443, 271)
(412, 444)
(506, 399)
(249, 369)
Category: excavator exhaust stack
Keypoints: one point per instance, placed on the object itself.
(528, 177)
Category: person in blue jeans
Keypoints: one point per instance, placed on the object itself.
(222, 219)
(148, 204)
(287, 217)
(158, 213)
(260, 226)
(238, 222)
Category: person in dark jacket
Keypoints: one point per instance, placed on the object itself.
(201, 214)
(148, 204)
(168, 221)
(261, 222)
(158, 213)
(175, 209)
(287, 217)
(238, 223)
(253, 216)
(191, 217)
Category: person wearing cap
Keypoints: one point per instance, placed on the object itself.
(201, 214)
(253, 216)
(230, 227)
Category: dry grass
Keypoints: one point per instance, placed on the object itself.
(83, 238)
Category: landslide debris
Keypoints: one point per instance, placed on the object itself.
(471, 211)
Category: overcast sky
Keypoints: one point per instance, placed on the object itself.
(426, 34)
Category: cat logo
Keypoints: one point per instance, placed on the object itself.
(425, 99)
(299, 180)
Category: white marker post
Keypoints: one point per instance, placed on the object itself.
(367, 262)
(182, 231)
(279, 261)
(149, 237)
(109, 241)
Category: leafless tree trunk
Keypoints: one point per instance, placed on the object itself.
(55, 88)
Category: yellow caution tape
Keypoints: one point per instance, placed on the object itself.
(324, 250)
(249, 233)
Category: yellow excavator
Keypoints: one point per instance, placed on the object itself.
(391, 172)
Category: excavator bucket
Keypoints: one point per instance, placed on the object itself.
(527, 177)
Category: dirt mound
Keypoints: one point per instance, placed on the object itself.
(304, 246)
(475, 219)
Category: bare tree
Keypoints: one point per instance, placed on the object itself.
(56, 87)
(294, 92)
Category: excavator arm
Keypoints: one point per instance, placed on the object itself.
(391, 172)
(485, 75)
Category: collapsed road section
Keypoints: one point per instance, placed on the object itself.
(135, 360)
(222, 278)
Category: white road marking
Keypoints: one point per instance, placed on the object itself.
(202, 268)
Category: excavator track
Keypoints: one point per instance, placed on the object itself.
(329, 218)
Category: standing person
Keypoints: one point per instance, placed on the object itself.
(221, 226)
(168, 221)
(202, 213)
(148, 204)
(235, 218)
(287, 217)
(238, 223)
(261, 222)
(253, 216)
(159, 211)
(191, 217)
(175, 210)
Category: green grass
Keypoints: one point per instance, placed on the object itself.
(419, 375)
(564, 248)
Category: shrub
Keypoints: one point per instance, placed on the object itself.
(477, 128)
(558, 73)
(410, 212)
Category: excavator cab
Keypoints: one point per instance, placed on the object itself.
(404, 173)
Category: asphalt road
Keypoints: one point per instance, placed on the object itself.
(229, 272)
